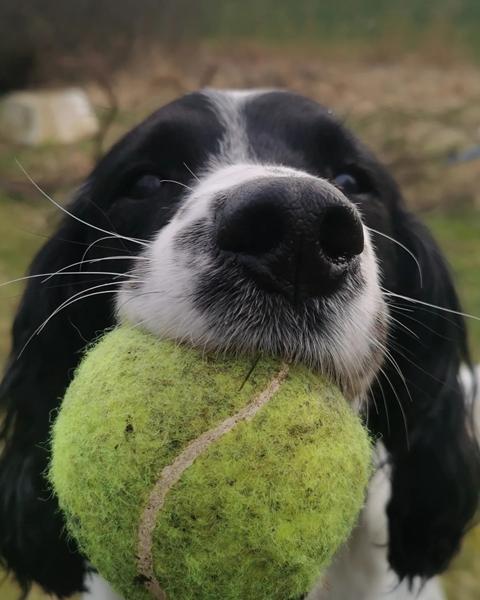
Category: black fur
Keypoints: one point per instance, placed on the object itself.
(435, 457)
(436, 463)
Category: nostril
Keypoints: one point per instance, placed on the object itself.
(341, 234)
(250, 228)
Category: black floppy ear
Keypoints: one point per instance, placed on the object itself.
(32, 540)
(428, 430)
(32, 544)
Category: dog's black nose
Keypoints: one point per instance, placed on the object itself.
(299, 237)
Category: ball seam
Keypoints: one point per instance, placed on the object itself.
(173, 472)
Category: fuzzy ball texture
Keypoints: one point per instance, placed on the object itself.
(260, 508)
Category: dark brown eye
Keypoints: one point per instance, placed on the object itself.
(347, 183)
(145, 186)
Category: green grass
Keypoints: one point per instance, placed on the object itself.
(416, 24)
(23, 227)
(459, 236)
(462, 581)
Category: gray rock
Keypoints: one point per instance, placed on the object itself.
(41, 117)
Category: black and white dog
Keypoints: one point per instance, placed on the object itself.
(254, 221)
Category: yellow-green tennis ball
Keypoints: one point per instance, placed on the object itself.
(185, 477)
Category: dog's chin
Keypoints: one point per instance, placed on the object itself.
(352, 374)
(354, 387)
(345, 346)
(308, 338)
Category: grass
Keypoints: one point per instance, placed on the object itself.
(462, 580)
(459, 236)
(379, 28)
(23, 226)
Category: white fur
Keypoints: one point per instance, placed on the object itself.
(229, 105)
(468, 382)
(360, 570)
(234, 145)
(98, 589)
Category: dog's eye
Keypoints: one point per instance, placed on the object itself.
(347, 183)
(145, 186)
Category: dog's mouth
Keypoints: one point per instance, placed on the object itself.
(333, 336)
(278, 264)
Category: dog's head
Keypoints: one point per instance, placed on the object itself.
(266, 243)
(252, 222)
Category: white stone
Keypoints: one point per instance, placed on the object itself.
(43, 117)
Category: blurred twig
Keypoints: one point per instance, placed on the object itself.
(107, 119)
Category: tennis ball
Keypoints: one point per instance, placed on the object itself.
(186, 476)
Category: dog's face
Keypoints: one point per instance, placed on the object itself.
(258, 237)
(249, 222)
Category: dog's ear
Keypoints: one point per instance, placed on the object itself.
(422, 413)
(33, 543)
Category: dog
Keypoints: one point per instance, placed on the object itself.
(255, 221)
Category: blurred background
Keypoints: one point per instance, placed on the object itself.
(403, 74)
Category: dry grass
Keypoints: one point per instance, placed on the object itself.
(413, 112)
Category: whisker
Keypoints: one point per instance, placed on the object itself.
(95, 242)
(404, 417)
(71, 300)
(387, 415)
(107, 218)
(190, 171)
(400, 350)
(407, 250)
(410, 318)
(64, 210)
(393, 362)
(388, 357)
(49, 275)
(423, 303)
(35, 333)
(410, 331)
(184, 185)
(95, 260)
(403, 307)
(367, 409)
(47, 236)
(78, 282)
